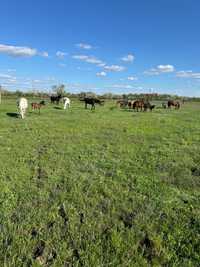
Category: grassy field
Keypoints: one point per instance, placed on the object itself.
(100, 188)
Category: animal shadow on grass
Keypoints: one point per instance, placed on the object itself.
(34, 113)
(12, 114)
(57, 107)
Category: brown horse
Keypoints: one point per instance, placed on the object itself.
(130, 103)
(138, 104)
(37, 105)
(122, 103)
(173, 103)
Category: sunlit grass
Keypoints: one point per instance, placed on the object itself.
(99, 188)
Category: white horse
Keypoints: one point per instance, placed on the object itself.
(67, 102)
(22, 105)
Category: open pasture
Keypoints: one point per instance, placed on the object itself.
(108, 187)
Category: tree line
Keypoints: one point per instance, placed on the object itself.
(60, 90)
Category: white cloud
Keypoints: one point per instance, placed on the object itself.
(160, 69)
(61, 54)
(132, 78)
(84, 46)
(11, 70)
(25, 83)
(152, 71)
(20, 51)
(101, 74)
(5, 76)
(43, 54)
(62, 65)
(101, 64)
(114, 68)
(88, 59)
(188, 74)
(122, 86)
(165, 68)
(128, 58)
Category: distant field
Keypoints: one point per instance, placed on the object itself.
(100, 188)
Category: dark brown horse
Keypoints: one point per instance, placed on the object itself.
(138, 104)
(173, 103)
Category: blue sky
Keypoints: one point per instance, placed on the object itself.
(101, 46)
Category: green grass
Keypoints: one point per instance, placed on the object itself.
(100, 188)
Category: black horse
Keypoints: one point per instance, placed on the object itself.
(147, 106)
(55, 99)
(92, 102)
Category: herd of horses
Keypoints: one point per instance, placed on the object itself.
(143, 105)
(137, 105)
(88, 101)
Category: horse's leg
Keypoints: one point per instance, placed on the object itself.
(22, 113)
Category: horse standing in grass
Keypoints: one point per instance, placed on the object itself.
(22, 105)
(67, 102)
(138, 104)
(173, 103)
(122, 103)
(55, 99)
(37, 105)
(130, 103)
(148, 105)
(92, 102)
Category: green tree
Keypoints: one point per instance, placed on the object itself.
(59, 89)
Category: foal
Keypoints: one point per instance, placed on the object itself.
(37, 105)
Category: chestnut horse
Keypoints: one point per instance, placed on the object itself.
(37, 105)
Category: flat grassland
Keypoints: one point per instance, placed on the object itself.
(100, 188)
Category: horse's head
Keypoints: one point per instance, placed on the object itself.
(42, 103)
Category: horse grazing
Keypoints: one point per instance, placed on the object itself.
(37, 105)
(122, 103)
(67, 102)
(92, 102)
(173, 103)
(22, 105)
(147, 106)
(130, 103)
(138, 104)
(55, 99)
